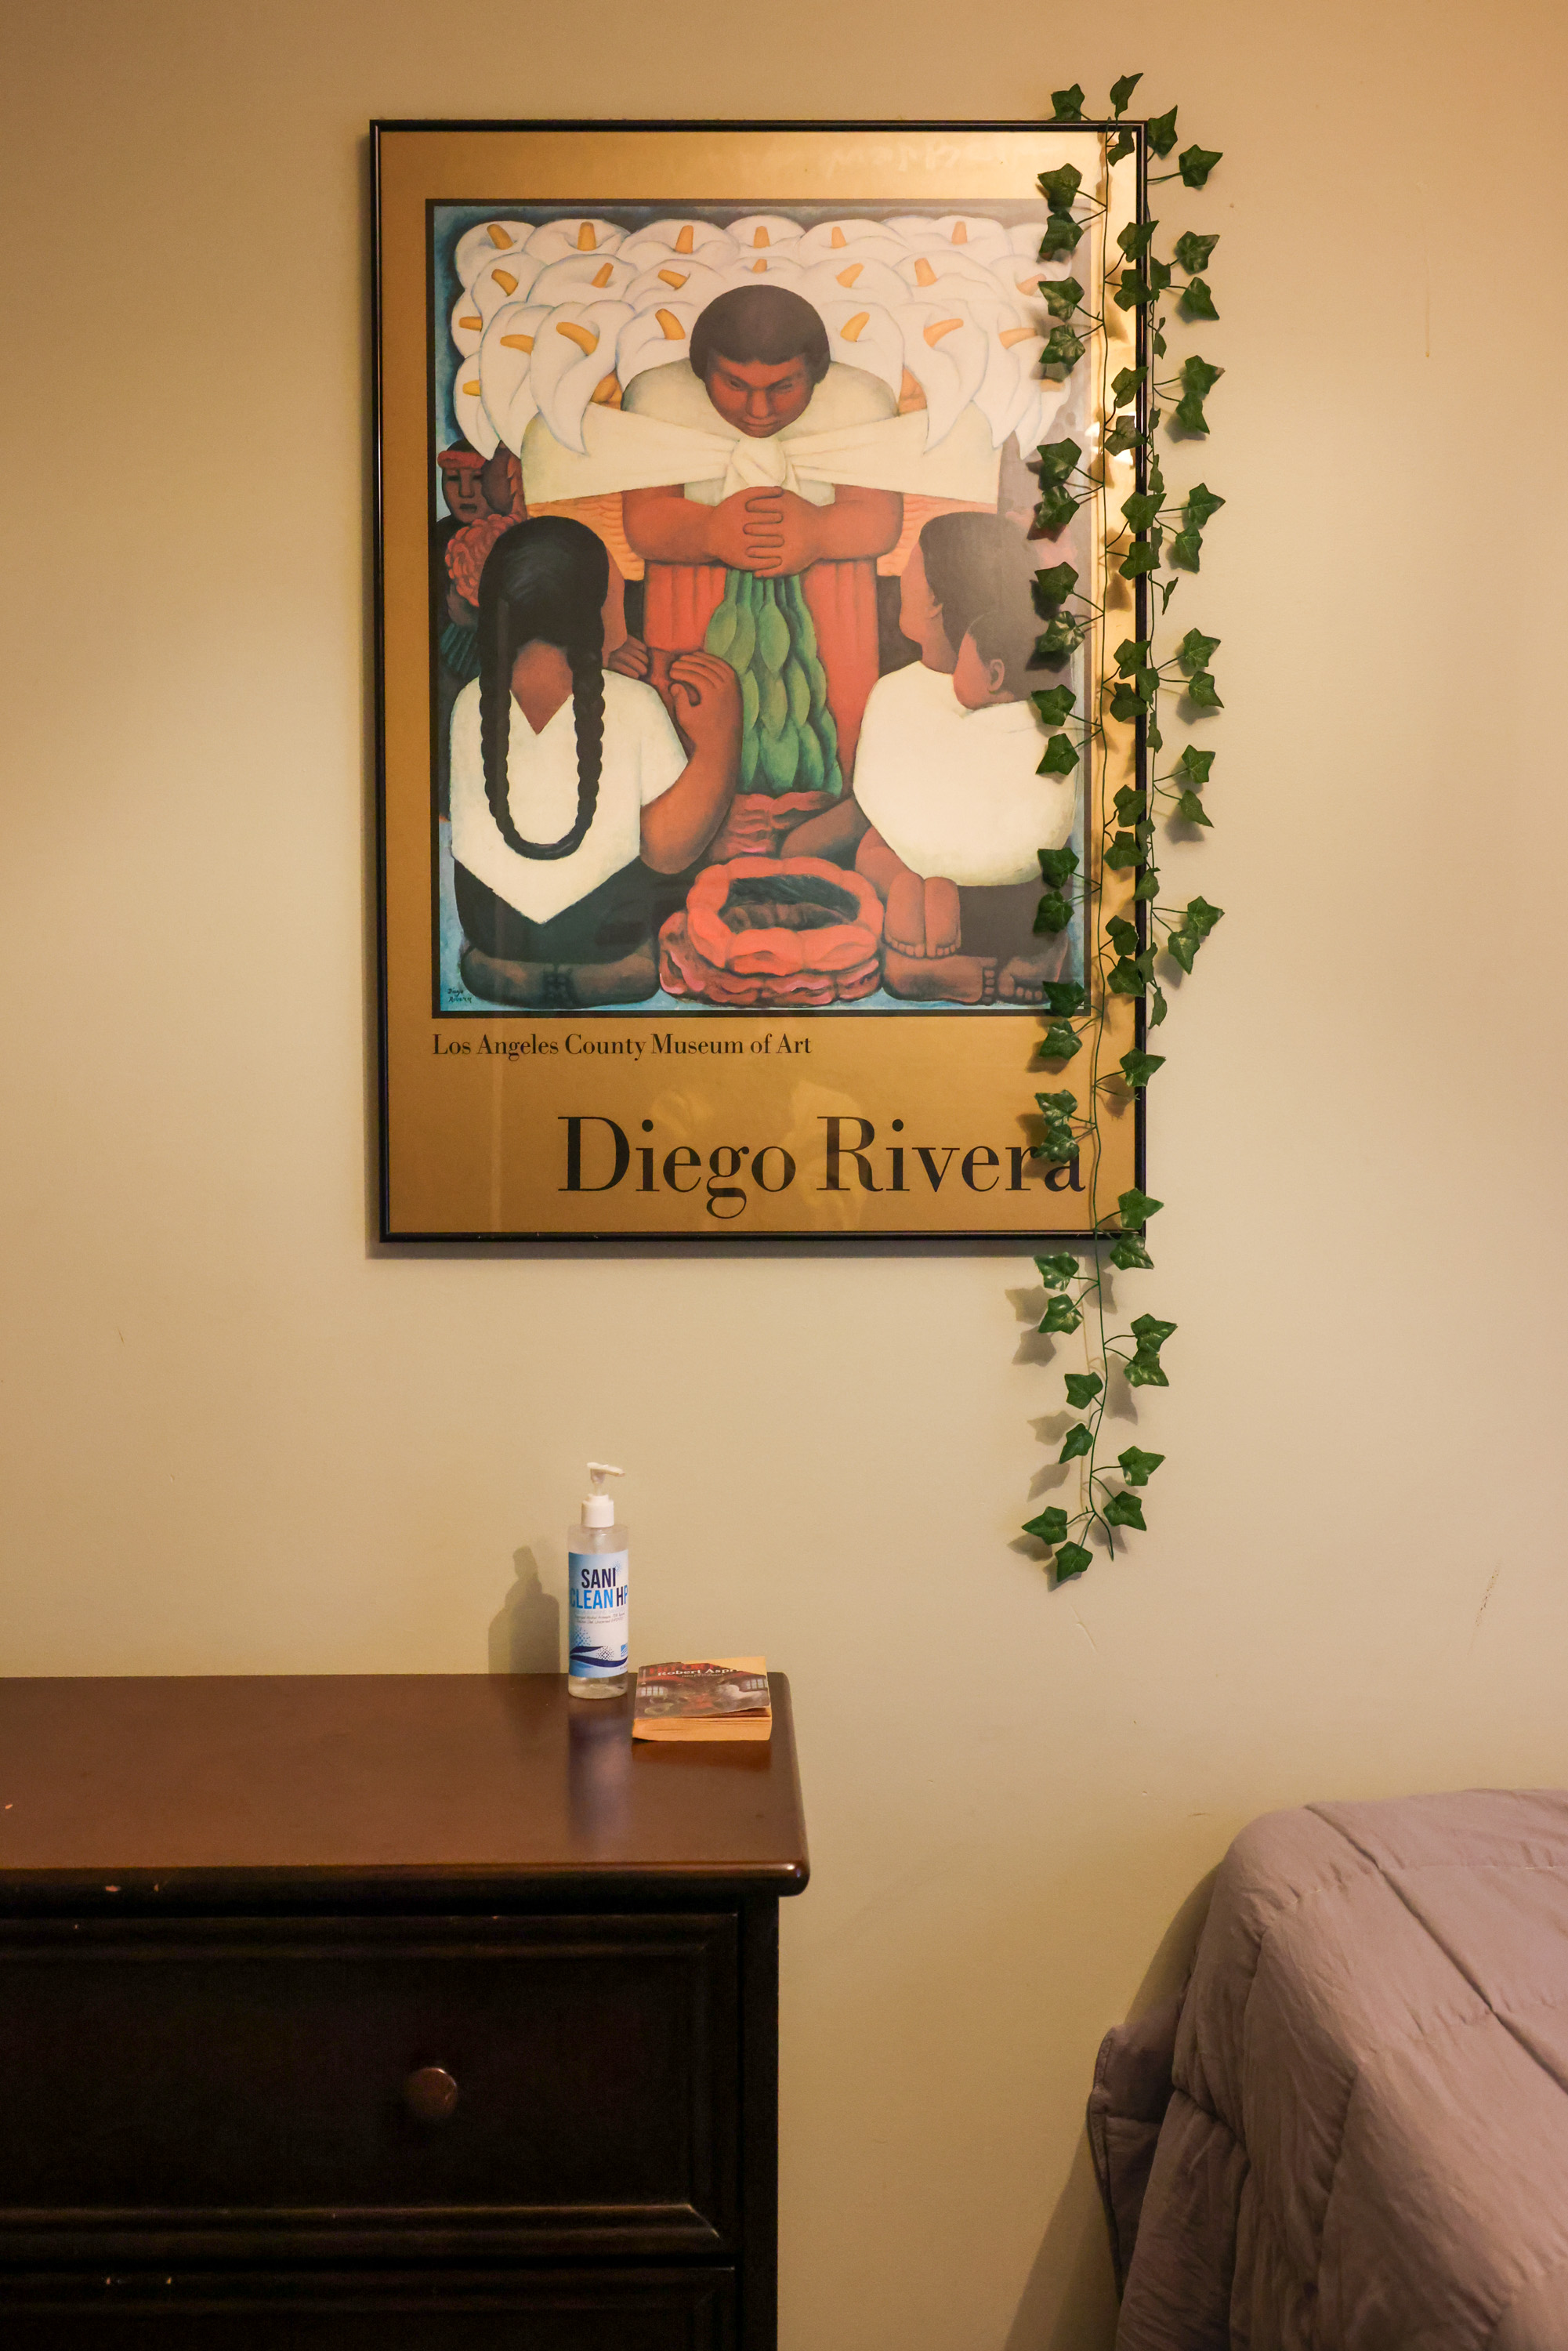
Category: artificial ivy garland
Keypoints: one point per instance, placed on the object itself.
(1153, 531)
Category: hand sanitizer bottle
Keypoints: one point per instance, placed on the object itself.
(596, 1564)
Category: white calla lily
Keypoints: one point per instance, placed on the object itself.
(573, 360)
(467, 326)
(505, 370)
(677, 278)
(865, 336)
(478, 245)
(757, 230)
(928, 266)
(580, 276)
(557, 239)
(702, 239)
(468, 407)
(763, 269)
(945, 352)
(979, 239)
(506, 278)
(864, 240)
(656, 338)
(841, 279)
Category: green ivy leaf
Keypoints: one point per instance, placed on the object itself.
(1055, 460)
(1150, 1331)
(1135, 1207)
(1159, 274)
(1125, 977)
(1124, 384)
(1054, 703)
(1053, 914)
(1138, 1067)
(1061, 1317)
(1194, 765)
(1067, 105)
(1059, 1043)
(1126, 851)
(1082, 1387)
(1050, 1528)
(1181, 946)
(1059, 188)
(1063, 348)
(1132, 291)
(1199, 504)
(1192, 252)
(1154, 738)
(1140, 1373)
(1061, 1104)
(1057, 1271)
(1128, 703)
(1195, 652)
(1079, 1439)
(1070, 1559)
(1141, 508)
(1131, 805)
(1063, 635)
(1162, 132)
(1054, 587)
(1129, 1256)
(1125, 1511)
(1191, 811)
(1061, 756)
(1121, 91)
(1123, 934)
(1189, 411)
(1197, 375)
(1064, 996)
(1147, 682)
(1159, 1009)
(1201, 691)
(1147, 886)
(1061, 296)
(1159, 351)
(1201, 918)
(1055, 511)
(1057, 865)
(1132, 654)
(1196, 163)
(1196, 301)
(1124, 435)
(1138, 1468)
(1187, 550)
(1136, 237)
(1061, 235)
(1141, 557)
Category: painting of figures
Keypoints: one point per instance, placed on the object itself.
(727, 729)
(731, 614)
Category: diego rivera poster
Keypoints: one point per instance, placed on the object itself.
(711, 792)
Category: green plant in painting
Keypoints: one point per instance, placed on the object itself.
(1150, 680)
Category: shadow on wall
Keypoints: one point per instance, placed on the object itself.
(1070, 2301)
(525, 1634)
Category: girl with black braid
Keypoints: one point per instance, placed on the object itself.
(577, 809)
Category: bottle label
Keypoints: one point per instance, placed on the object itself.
(596, 1586)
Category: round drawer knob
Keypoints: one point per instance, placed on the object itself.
(430, 2093)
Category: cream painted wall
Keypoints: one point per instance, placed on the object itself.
(235, 1438)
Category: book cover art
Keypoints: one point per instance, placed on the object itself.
(712, 1697)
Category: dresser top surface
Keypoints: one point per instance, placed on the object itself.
(126, 1786)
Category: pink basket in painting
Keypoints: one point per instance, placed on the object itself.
(774, 930)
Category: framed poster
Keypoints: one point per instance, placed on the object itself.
(711, 808)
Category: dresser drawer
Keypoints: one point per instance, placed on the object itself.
(169, 2091)
(548, 2310)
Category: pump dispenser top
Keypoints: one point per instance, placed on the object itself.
(598, 1509)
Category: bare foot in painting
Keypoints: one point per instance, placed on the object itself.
(559, 987)
(922, 916)
(1023, 976)
(940, 979)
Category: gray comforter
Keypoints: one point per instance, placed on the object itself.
(1361, 2143)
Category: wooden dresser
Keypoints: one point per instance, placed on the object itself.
(385, 2010)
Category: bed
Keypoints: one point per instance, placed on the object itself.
(1351, 2132)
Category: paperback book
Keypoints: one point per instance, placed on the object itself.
(709, 1698)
